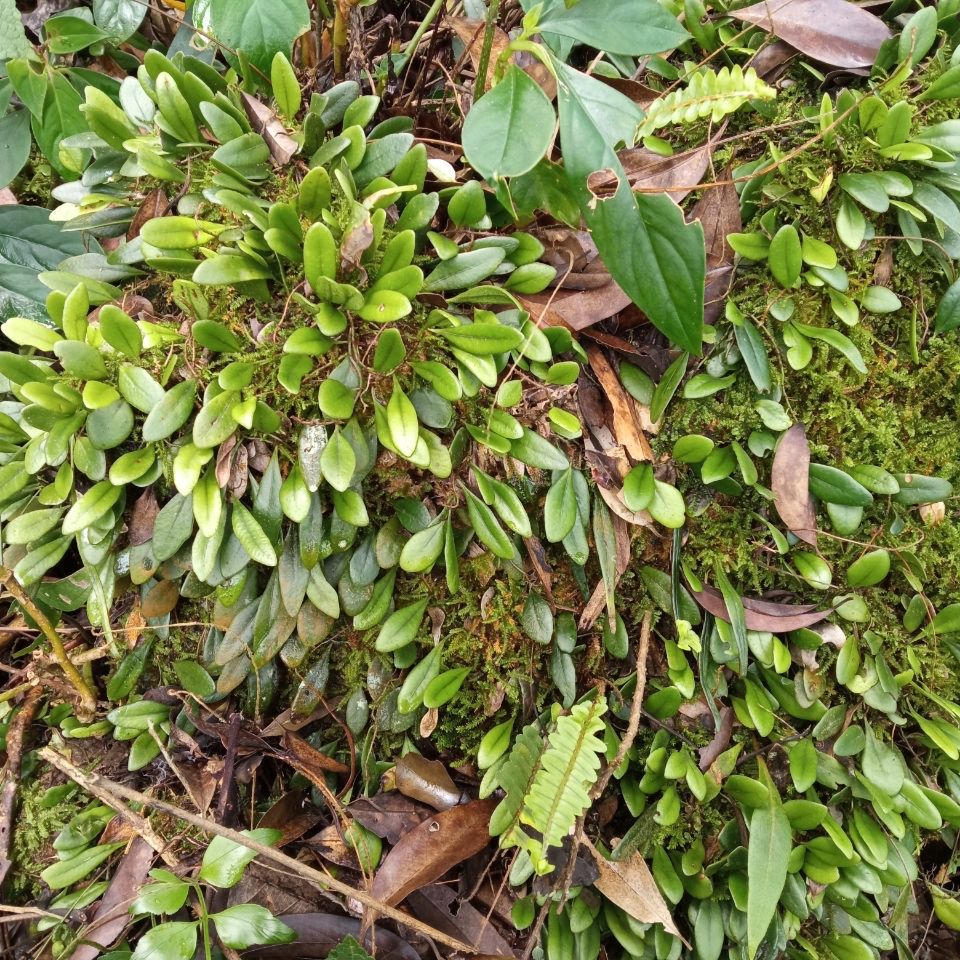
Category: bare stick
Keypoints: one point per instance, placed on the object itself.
(87, 699)
(103, 789)
(633, 724)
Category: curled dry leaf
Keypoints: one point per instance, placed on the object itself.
(428, 851)
(835, 32)
(144, 514)
(771, 60)
(626, 423)
(427, 781)
(720, 741)
(761, 614)
(630, 885)
(790, 483)
(311, 762)
(282, 146)
(438, 905)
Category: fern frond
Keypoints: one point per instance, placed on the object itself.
(708, 94)
(515, 779)
(548, 783)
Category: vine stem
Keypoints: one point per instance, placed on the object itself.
(116, 796)
(87, 700)
(480, 84)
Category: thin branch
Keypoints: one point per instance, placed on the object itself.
(633, 724)
(87, 699)
(114, 793)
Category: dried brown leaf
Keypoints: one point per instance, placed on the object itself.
(719, 212)
(113, 913)
(160, 599)
(835, 32)
(790, 483)
(282, 146)
(577, 310)
(389, 815)
(770, 618)
(142, 517)
(427, 781)
(319, 933)
(310, 761)
(154, 205)
(630, 885)
(433, 847)
(626, 423)
(439, 906)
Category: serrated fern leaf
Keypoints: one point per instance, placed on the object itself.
(708, 94)
(516, 778)
(552, 780)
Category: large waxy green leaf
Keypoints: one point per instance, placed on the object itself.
(650, 250)
(260, 28)
(510, 128)
(30, 244)
(638, 27)
(175, 940)
(246, 924)
(767, 860)
(252, 537)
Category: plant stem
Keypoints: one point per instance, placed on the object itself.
(425, 23)
(204, 921)
(87, 700)
(480, 84)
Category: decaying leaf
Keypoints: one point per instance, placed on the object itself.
(389, 815)
(282, 146)
(836, 32)
(428, 851)
(790, 484)
(438, 905)
(761, 614)
(310, 761)
(577, 310)
(427, 781)
(630, 885)
(154, 205)
(626, 424)
(319, 933)
(719, 212)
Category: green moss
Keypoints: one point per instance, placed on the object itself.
(35, 828)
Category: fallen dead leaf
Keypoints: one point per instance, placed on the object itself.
(718, 210)
(389, 815)
(835, 32)
(310, 761)
(761, 614)
(428, 851)
(142, 517)
(160, 599)
(439, 906)
(319, 933)
(577, 310)
(630, 885)
(789, 480)
(626, 423)
(282, 146)
(154, 205)
(427, 781)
